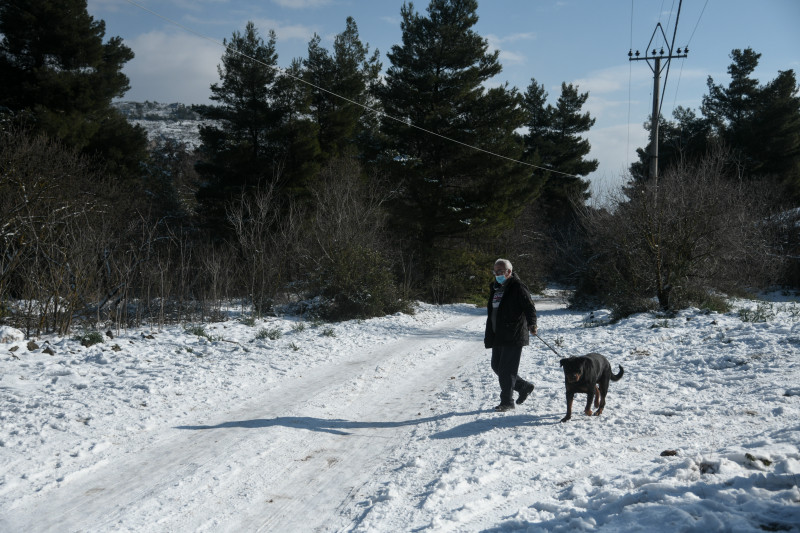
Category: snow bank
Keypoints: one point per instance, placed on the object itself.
(386, 425)
(9, 334)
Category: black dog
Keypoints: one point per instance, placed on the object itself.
(589, 374)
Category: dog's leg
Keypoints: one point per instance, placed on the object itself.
(589, 397)
(602, 392)
(597, 396)
(570, 397)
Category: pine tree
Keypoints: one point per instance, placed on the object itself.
(435, 100)
(760, 123)
(242, 152)
(538, 141)
(731, 109)
(554, 141)
(349, 78)
(687, 138)
(299, 133)
(777, 133)
(59, 78)
(318, 72)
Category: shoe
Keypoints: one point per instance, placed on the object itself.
(524, 393)
(504, 407)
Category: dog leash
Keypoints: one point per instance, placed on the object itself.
(547, 344)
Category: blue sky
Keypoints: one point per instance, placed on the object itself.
(584, 42)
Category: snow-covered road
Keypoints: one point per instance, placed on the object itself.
(387, 425)
(290, 459)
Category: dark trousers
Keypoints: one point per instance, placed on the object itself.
(505, 363)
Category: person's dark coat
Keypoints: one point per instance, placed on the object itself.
(515, 315)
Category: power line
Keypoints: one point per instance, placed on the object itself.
(680, 74)
(631, 24)
(677, 86)
(671, 46)
(698, 23)
(657, 56)
(669, 19)
(630, 80)
(661, 10)
(366, 107)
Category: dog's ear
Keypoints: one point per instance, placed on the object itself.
(561, 363)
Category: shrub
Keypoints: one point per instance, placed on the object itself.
(269, 333)
(701, 298)
(762, 313)
(350, 276)
(356, 282)
(678, 239)
(458, 276)
(200, 331)
(625, 304)
(90, 338)
(196, 330)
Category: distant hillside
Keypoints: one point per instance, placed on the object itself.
(163, 122)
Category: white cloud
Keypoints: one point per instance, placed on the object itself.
(615, 149)
(495, 41)
(527, 36)
(608, 108)
(172, 67)
(301, 4)
(284, 33)
(195, 20)
(618, 78)
(614, 79)
(509, 57)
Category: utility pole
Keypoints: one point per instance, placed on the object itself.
(657, 57)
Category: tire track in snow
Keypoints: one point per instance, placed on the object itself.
(381, 417)
(286, 461)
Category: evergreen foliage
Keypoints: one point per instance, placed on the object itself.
(59, 77)
(760, 124)
(351, 74)
(239, 153)
(170, 181)
(687, 138)
(554, 141)
(299, 134)
(452, 195)
(263, 137)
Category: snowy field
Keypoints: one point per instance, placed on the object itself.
(185, 131)
(386, 425)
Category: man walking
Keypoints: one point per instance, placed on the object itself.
(511, 316)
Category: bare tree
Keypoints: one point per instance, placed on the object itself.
(348, 208)
(52, 199)
(347, 257)
(267, 232)
(692, 231)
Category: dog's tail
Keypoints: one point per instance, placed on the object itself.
(617, 377)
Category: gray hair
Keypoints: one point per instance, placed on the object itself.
(505, 263)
